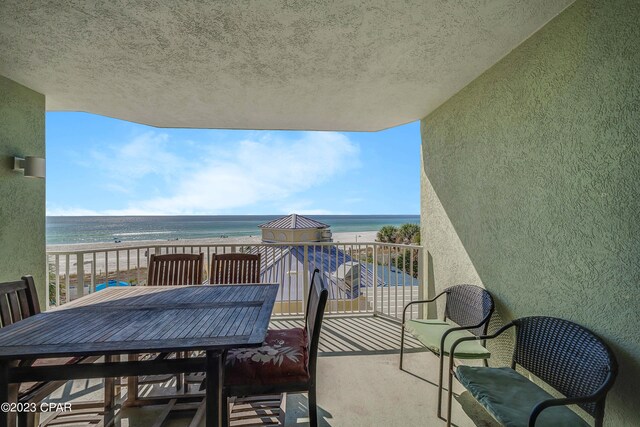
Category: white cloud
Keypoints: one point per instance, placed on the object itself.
(57, 211)
(145, 154)
(264, 169)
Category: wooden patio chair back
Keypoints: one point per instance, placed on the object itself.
(235, 269)
(316, 303)
(18, 300)
(175, 269)
(250, 377)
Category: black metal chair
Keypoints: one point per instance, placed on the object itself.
(467, 311)
(566, 356)
(288, 358)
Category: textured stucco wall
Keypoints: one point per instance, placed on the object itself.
(260, 64)
(22, 200)
(531, 183)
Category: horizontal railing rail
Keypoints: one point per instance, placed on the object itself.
(363, 277)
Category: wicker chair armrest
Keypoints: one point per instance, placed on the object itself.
(459, 328)
(557, 402)
(599, 394)
(422, 301)
(462, 328)
(479, 338)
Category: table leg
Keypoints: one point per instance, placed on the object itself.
(4, 393)
(132, 383)
(215, 381)
(109, 395)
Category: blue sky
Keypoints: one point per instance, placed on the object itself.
(102, 166)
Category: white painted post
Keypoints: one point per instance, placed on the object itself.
(67, 296)
(375, 278)
(57, 280)
(80, 274)
(305, 274)
(93, 273)
(421, 283)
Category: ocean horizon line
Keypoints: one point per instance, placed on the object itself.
(233, 215)
(96, 229)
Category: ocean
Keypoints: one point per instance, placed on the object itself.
(96, 229)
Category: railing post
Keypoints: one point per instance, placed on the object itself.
(305, 278)
(421, 284)
(375, 278)
(67, 293)
(57, 285)
(93, 272)
(80, 274)
(47, 301)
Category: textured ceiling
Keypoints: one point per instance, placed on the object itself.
(278, 64)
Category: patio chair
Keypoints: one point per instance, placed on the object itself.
(467, 311)
(228, 269)
(566, 356)
(287, 362)
(19, 301)
(175, 269)
(234, 269)
(168, 270)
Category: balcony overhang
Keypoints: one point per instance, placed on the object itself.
(344, 65)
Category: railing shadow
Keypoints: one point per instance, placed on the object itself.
(297, 411)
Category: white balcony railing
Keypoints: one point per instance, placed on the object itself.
(371, 278)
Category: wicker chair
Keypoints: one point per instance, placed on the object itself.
(566, 356)
(297, 370)
(234, 269)
(467, 311)
(175, 269)
(18, 301)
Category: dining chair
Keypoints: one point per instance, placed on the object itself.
(19, 301)
(168, 270)
(286, 362)
(234, 269)
(175, 269)
(228, 269)
(467, 311)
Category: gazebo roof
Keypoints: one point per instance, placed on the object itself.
(294, 222)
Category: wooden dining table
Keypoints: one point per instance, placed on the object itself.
(134, 320)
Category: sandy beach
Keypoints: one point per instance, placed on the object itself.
(343, 237)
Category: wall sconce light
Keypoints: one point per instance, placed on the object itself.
(31, 166)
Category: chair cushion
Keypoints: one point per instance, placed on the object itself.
(31, 386)
(429, 332)
(283, 358)
(510, 397)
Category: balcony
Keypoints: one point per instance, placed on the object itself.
(359, 383)
(359, 379)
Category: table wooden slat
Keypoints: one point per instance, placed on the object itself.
(145, 319)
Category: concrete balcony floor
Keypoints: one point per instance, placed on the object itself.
(359, 383)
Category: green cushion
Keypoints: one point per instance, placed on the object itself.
(510, 397)
(429, 332)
